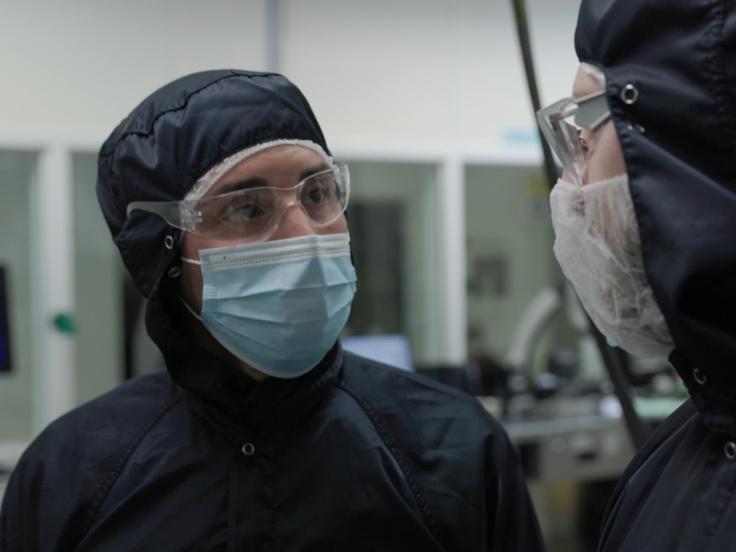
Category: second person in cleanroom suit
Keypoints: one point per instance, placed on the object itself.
(645, 224)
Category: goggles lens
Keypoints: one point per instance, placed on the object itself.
(564, 123)
(252, 214)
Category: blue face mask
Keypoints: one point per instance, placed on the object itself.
(278, 306)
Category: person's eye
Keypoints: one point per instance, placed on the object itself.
(319, 191)
(317, 195)
(243, 213)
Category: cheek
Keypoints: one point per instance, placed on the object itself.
(607, 160)
(340, 226)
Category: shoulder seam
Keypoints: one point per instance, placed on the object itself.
(379, 427)
(106, 485)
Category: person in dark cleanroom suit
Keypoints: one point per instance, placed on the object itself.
(227, 208)
(645, 224)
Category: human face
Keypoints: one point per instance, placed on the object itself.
(602, 149)
(280, 166)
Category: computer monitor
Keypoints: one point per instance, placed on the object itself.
(392, 349)
(5, 363)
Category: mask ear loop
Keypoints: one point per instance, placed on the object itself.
(186, 305)
(190, 309)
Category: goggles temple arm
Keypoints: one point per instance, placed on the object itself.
(184, 215)
(176, 213)
(592, 110)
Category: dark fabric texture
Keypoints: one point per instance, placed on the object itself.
(353, 455)
(368, 458)
(679, 142)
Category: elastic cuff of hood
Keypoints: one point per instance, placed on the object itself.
(204, 183)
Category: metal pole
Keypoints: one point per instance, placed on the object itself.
(613, 362)
(550, 168)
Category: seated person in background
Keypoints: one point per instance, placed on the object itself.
(645, 224)
(228, 210)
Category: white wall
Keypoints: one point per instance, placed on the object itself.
(437, 71)
(408, 73)
(87, 63)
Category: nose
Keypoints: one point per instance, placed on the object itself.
(294, 223)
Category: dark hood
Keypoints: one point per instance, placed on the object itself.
(680, 55)
(157, 153)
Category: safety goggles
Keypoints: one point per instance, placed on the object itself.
(563, 124)
(252, 214)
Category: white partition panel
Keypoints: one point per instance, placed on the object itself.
(54, 378)
(451, 267)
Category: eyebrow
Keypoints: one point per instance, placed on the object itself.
(258, 182)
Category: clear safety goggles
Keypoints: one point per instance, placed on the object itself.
(252, 214)
(564, 124)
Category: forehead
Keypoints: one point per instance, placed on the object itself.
(585, 83)
(278, 165)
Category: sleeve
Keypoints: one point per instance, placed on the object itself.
(19, 520)
(58, 486)
(513, 524)
(51, 491)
